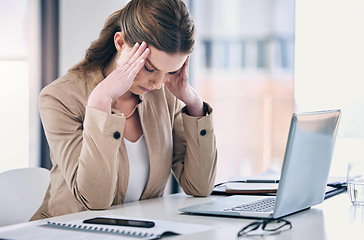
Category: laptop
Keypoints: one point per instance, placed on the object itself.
(304, 174)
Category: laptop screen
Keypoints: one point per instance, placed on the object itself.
(307, 161)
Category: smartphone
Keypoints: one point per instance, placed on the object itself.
(120, 222)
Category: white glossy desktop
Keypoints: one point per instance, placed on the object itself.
(335, 218)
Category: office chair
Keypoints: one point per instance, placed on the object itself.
(21, 193)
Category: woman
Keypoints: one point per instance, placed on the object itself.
(119, 121)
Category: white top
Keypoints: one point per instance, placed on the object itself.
(138, 168)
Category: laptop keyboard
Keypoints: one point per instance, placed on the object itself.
(263, 205)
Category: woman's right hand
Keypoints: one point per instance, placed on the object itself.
(119, 80)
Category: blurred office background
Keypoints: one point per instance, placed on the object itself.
(255, 61)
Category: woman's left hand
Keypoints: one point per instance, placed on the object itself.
(179, 85)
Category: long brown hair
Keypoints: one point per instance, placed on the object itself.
(163, 24)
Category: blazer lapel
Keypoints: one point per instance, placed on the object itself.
(156, 133)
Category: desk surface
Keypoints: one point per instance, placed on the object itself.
(335, 218)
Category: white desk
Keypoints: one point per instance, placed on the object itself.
(334, 219)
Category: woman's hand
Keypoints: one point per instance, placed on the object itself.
(179, 85)
(119, 81)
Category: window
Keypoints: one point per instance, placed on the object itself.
(19, 121)
(243, 67)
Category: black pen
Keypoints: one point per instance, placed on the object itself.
(261, 181)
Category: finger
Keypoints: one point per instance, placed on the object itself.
(183, 75)
(134, 71)
(138, 53)
(130, 54)
(144, 56)
(135, 66)
(134, 56)
(185, 65)
(134, 49)
(123, 67)
(183, 71)
(184, 82)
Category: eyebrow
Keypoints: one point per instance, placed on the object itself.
(151, 64)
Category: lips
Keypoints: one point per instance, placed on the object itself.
(145, 89)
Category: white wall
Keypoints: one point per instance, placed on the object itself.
(329, 69)
(80, 24)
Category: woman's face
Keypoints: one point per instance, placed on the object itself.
(158, 68)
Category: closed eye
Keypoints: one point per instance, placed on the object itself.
(148, 70)
(171, 73)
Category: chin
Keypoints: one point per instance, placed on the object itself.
(136, 92)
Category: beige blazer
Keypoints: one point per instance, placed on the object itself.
(90, 162)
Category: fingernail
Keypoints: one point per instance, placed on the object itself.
(136, 44)
(143, 43)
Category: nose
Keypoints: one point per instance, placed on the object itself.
(158, 81)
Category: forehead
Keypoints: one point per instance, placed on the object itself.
(166, 62)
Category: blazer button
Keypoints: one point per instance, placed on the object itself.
(116, 135)
(203, 132)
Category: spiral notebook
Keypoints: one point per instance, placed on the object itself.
(134, 232)
(78, 230)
